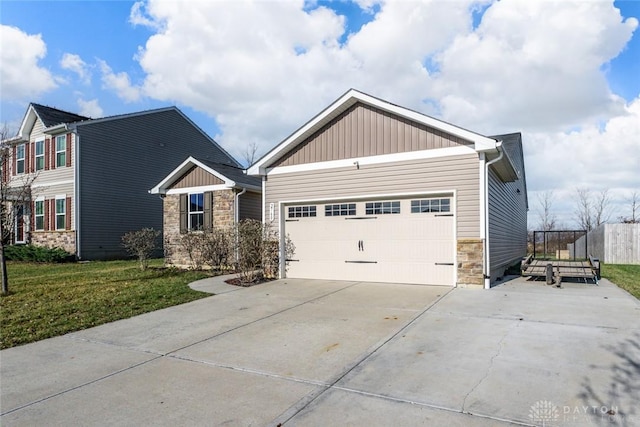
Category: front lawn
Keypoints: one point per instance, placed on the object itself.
(48, 300)
(625, 276)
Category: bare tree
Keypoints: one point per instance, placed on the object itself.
(634, 202)
(15, 196)
(545, 214)
(249, 153)
(592, 209)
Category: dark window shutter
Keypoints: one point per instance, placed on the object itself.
(68, 150)
(27, 158)
(53, 156)
(33, 157)
(32, 220)
(14, 160)
(67, 214)
(47, 153)
(47, 215)
(208, 210)
(184, 200)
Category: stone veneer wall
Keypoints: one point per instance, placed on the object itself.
(55, 239)
(470, 262)
(223, 216)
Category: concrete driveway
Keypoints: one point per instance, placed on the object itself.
(302, 352)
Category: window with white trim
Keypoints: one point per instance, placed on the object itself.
(39, 155)
(61, 151)
(20, 161)
(302, 211)
(39, 215)
(382, 208)
(430, 205)
(196, 211)
(61, 213)
(343, 209)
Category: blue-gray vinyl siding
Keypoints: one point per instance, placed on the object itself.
(507, 214)
(120, 159)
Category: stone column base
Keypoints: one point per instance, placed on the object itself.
(470, 257)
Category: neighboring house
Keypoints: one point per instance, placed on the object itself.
(200, 195)
(372, 191)
(91, 176)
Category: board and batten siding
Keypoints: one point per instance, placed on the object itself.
(250, 203)
(440, 174)
(362, 131)
(197, 177)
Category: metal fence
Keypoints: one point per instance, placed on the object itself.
(558, 244)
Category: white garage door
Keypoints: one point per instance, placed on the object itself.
(394, 240)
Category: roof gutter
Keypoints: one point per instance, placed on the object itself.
(487, 264)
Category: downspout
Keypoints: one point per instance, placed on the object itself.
(76, 187)
(237, 205)
(486, 267)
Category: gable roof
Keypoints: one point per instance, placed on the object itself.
(233, 177)
(225, 155)
(52, 116)
(351, 97)
(49, 116)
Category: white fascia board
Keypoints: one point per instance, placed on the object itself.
(201, 189)
(162, 187)
(59, 128)
(373, 160)
(27, 123)
(347, 100)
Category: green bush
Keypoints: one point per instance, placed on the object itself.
(32, 253)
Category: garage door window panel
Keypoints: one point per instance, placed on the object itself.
(301, 211)
(430, 206)
(342, 209)
(382, 208)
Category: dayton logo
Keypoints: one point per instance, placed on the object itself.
(544, 412)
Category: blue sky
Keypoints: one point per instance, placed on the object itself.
(565, 74)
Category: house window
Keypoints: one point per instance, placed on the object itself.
(39, 215)
(196, 211)
(430, 205)
(61, 151)
(61, 213)
(20, 158)
(342, 209)
(382, 208)
(302, 211)
(39, 155)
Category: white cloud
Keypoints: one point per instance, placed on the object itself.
(90, 108)
(263, 69)
(74, 63)
(21, 76)
(119, 83)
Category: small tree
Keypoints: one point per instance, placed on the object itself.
(250, 152)
(15, 195)
(634, 205)
(592, 209)
(141, 244)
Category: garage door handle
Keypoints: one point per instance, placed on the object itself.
(362, 217)
(360, 246)
(361, 262)
(292, 260)
(444, 263)
(443, 215)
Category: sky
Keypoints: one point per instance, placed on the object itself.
(564, 73)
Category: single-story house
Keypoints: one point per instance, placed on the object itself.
(200, 194)
(372, 191)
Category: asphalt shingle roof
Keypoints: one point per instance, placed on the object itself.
(236, 174)
(52, 116)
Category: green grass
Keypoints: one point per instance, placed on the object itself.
(48, 300)
(625, 276)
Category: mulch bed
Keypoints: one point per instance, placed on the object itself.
(237, 282)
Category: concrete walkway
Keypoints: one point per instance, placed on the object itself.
(302, 352)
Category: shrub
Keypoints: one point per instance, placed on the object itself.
(141, 244)
(216, 248)
(32, 253)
